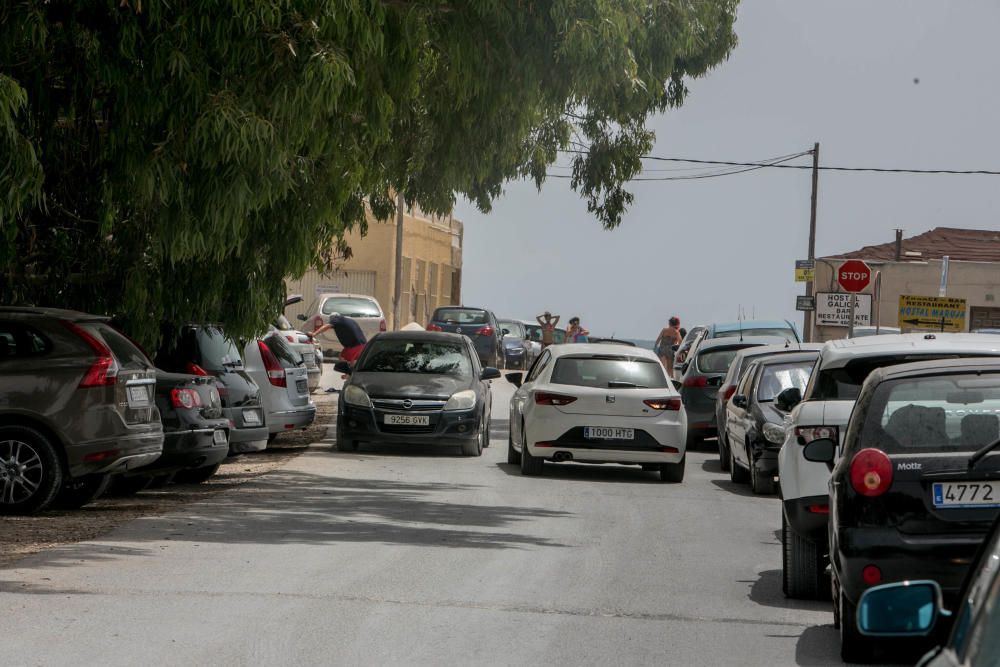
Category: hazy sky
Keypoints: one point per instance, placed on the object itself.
(841, 73)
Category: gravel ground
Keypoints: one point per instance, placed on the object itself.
(24, 535)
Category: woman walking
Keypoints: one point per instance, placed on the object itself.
(669, 336)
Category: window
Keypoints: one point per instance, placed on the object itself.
(775, 378)
(285, 353)
(539, 366)
(461, 316)
(351, 307)
(609, 372)
(747, 380)
(844, 383)
(216, 351)
(787, 334)
(126, 352)
(516, 329)
(716, 360)
(425, 357)
(18, 341)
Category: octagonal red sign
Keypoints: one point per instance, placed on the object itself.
(854, 275)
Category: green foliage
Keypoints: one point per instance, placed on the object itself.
(176, 161)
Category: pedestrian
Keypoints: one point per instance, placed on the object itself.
(576, 333)
(349, 334)
(548, 322)
(665, 342)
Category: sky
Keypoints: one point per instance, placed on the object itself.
(842, 74)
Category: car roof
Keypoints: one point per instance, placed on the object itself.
(935, 367)
(346, 295)
(439, 336)
(752, 324)
(461, 308)
(746, 341)
(784, 348)
(837, 353)
(58, 313)
(591, 349)
(782, 358)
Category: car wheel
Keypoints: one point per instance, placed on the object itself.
(737, 474)
(854, 646)
(760, 483)
(513, 456)
(30, 473)
(271, 437)
(129, 486)
(530, 465)
(474, 447)
(802, 576)
(723, 452)
(343, 444)
(196, 475)
(486, 433)
(673, 472)
(82, 491)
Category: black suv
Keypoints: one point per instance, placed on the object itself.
(479, 325)
(917, 486)
(76, 404)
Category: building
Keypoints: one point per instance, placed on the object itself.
(432, 268)
(913, 267)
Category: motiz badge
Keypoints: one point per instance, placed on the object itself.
(909, 466)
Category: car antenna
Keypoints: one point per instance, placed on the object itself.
(739, 321)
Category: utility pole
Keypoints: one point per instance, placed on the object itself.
(807, 316)
(397, 288)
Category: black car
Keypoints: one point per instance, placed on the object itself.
(755, 415)
(416, 388)
(478, 324)
(195, 434)
(206, 350)
(917, 486)
(516, 347)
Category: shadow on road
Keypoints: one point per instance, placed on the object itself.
(582, 472)
(818, 646)
(737, 489)
(712, 466)
(766, 590)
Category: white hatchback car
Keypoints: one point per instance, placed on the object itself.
(824, 412)
(597, 403)
(282, 376)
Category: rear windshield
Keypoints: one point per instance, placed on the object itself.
(216, 351)
(960, 411)
(125, 351)
(844, 384)
(608, 371)
(351, 307)
(460, 316)
(787, 334)
(285, 353)
(775, 378)
(426, 357)
(717, 361)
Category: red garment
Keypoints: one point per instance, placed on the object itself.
(352, 353)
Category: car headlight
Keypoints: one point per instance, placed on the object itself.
(461, 400)
(774, 433)
(354, 395)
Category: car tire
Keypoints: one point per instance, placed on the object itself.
(530, 465)
(196, 475)
(343, 444)
(673, 472)
(723, 452)
(760, 483)
(802, 568)
(474, 447)
(513, 456)
(271, 437)
(81, 491)
(486, 434)
(123, 486)
(737, 474)
(32, 444)
(854, 646)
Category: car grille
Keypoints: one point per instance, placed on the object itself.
(399, 405)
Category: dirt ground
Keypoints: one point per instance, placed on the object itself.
(24, 535)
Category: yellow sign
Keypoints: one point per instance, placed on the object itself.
(931, 313)
(805, 271)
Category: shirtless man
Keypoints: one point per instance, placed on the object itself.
(548, 325)
(669, 336)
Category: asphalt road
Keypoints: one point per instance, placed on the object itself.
(421, 556)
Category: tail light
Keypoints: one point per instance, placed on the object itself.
(807, 434)
(548, 398)
(433, 327)
(185, 398)
(696, 381)
(291, 339)
(728, 392)
(871, 575)
(195, 369)
(664, 403)
(485, 331)
(104, 371)
(275, 373)
(871, 472)
(381, 325)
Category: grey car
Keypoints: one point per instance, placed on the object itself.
(76, 404)
(517, 349)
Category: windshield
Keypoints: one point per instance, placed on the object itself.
(351, 307)
(216, 351)
(844, 383)
(516, 329)
(716, 361)
(460, 316)
(433, 358)
(604, 371)
(960, 412)
(787, 334)
(285, 353)
(775, 378)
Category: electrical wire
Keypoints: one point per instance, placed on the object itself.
(745, 167)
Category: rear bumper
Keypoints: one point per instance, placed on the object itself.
(290, 420)
(140, 447)
(805, 519)
(191, 448)
(652, 444)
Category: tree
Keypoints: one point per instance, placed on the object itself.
(176, 161)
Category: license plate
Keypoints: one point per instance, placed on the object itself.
(219, 438)
(251, 418)
(137, 397)
(966, 494)
(309, 358)
(608, 433)
(302, 386)
(408, 420)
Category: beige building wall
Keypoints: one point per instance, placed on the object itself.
(976, 282)
(431, 272)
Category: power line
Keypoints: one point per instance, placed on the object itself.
(745, 167)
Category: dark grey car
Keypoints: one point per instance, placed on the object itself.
(479, 325)
(76, 404)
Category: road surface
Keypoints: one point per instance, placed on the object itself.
(421, 556)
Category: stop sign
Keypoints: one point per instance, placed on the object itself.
(854, 275)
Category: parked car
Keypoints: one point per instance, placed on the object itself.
(416, 387)
(917, 485)
(913, 609)
(860, 332)
(281, 374)
(205, 349)
(740, 363)
(533, 338)
(535, 333)
(703, 378)
(195, 434)
(77, 405)
(480, 325)
(753, 422)
(741, 329)
(310, 349)
(363, 309)
(592, 403)
(826, 406)
(516, 346)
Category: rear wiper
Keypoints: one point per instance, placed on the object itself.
(981, 453)
(619, 384)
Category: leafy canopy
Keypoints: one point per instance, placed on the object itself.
(176, 161)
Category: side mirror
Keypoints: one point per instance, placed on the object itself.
(741, 401)
(343, 367)
(788, 399)
(302, 318)
(821, 451)
(489, 373)
(516, 379)
(904, 609)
